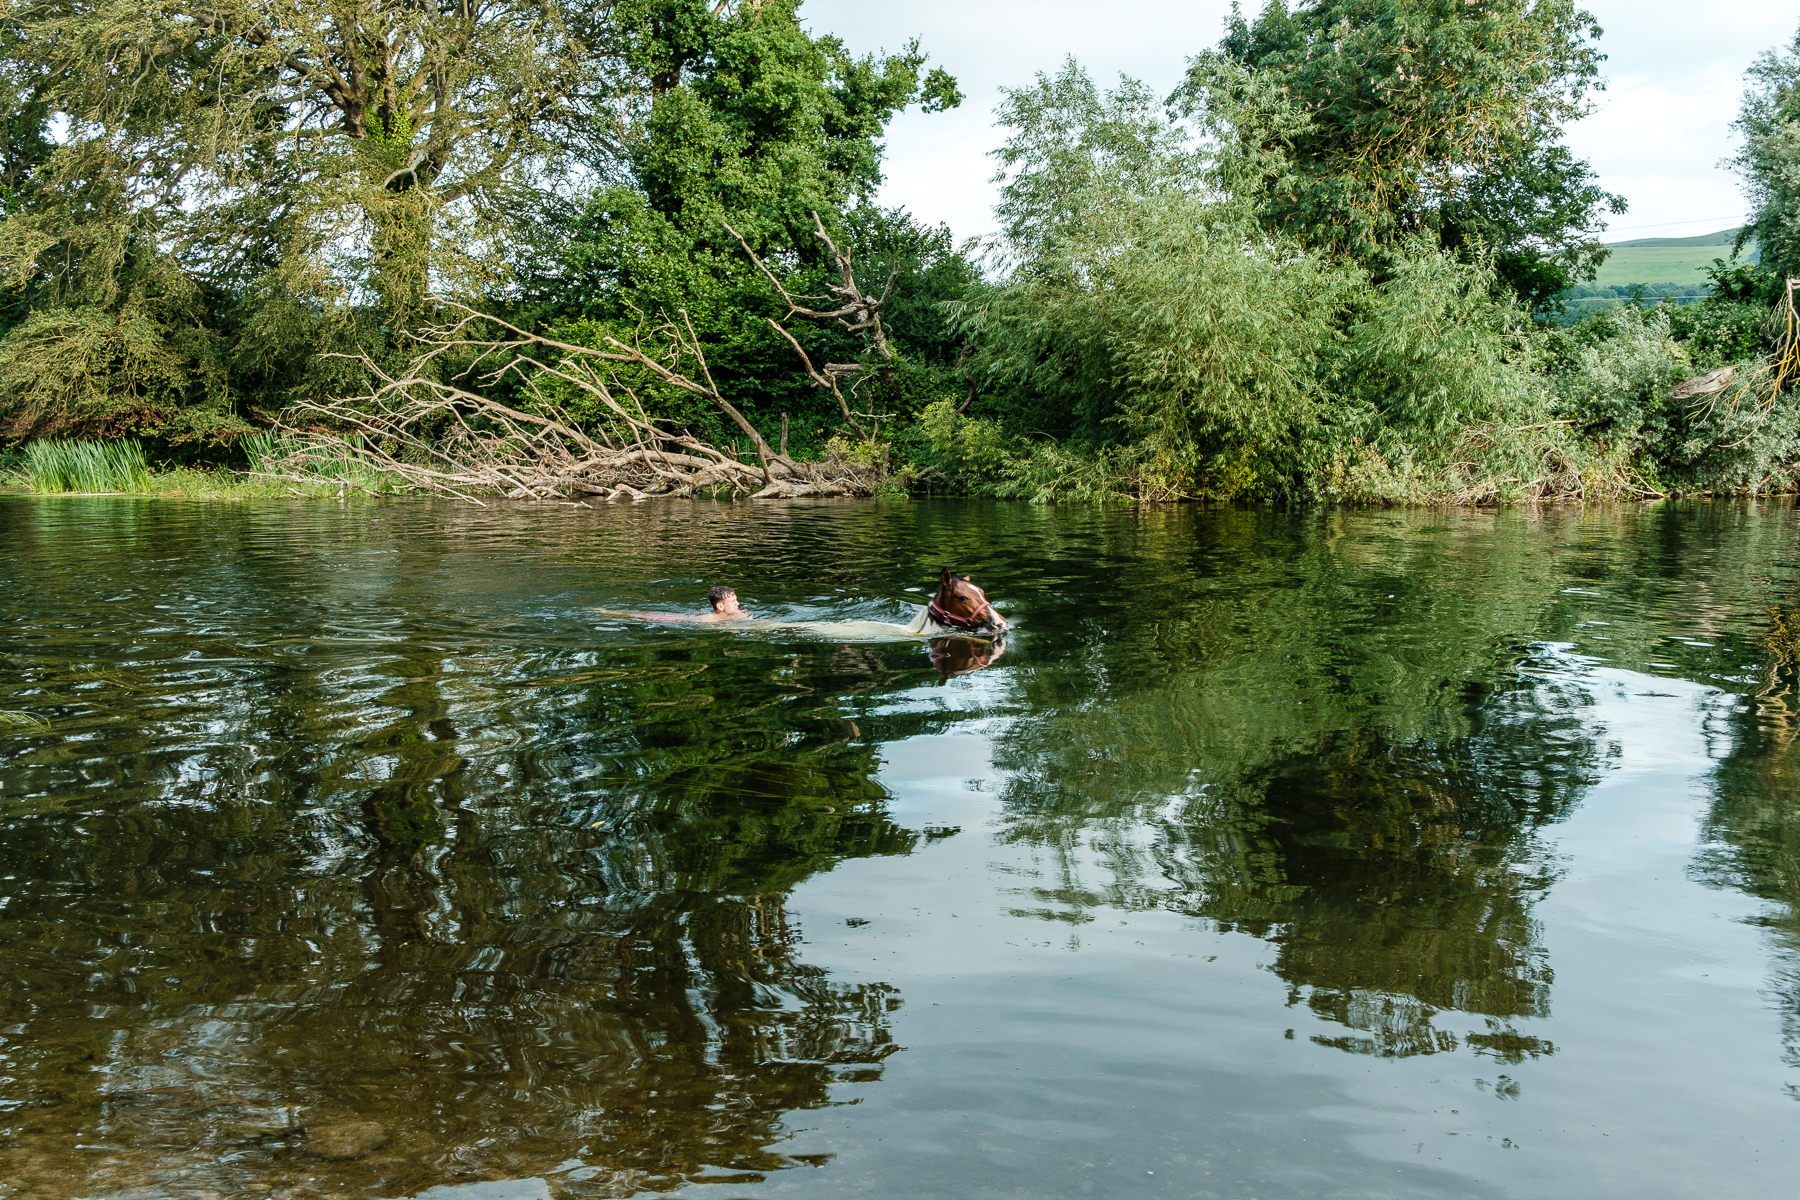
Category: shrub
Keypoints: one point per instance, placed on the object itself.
(1617, 386)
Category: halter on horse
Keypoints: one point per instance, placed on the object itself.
(962, 606)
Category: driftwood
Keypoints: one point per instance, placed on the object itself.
(1704, 385)
(444, 435)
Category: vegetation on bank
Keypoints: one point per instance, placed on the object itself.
(1331, 266)
(121, 467)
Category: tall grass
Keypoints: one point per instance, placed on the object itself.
(281, 465)
(317, 462)
(64, 466)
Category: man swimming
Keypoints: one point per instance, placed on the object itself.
(725, 608)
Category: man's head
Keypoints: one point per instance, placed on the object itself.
(722, 599)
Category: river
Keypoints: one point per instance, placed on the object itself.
(349, 849)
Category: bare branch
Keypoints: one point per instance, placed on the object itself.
(446, 436)
(826, 379)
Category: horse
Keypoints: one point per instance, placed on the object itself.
(959, 609)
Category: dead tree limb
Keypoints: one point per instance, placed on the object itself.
(826, 379)
(445, 435)
(857, 311)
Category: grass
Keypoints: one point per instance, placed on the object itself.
(274, 454)
(1627, 265)
(1667, 260)
(120, 467)
(60, 466)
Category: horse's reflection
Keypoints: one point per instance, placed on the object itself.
(953, 656)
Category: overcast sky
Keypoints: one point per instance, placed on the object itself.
(1674, 76)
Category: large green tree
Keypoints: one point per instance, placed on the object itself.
(749, 124)
(1769, 123)
(1357, 124)
(227, 184)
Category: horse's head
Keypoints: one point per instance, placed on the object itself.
(953, 656)
(959, 604)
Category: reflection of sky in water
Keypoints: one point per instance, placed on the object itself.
(1029, 1038)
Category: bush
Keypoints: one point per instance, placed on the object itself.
(1616, 386)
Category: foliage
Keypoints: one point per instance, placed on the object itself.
(1731, 324)
(1182, 350)
(1081, 171)
(202, 205)
(1074, 153)
(757, 125)
(1769, 123)
(1357, 124)
(1617, 380)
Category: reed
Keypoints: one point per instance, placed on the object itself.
(54, 465)
(344, 464)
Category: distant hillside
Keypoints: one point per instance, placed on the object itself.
(1667, 260)
(1722, 238)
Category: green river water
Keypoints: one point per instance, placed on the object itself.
(348, 850)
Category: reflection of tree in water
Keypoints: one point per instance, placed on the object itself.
(1394, 872)
(1751, 840)
(1394, 880)
(507, 914)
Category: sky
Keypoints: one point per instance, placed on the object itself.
(1674, 78)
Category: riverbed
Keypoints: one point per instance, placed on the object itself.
(352, 849)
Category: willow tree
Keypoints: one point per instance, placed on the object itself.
(288, 159)
(386, 130)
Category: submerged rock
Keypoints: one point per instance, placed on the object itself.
(342, 1140)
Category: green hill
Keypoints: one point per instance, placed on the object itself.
(1724, 237)
(1666, 260)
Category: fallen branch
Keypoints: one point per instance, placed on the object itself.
(447, 436)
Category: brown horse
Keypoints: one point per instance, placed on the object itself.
(961, 607)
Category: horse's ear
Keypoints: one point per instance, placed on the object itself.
(944, 577)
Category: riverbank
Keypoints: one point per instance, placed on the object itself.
(1044, 477)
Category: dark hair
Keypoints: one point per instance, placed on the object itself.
(719, 593)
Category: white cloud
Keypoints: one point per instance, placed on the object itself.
(1675, 69)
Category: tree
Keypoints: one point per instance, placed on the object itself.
(749, 124)
(373, 145)
(1075, 153)
(1077, 174)
(231, 186)
(1356, 124)
(1769, 123)
(232, 189)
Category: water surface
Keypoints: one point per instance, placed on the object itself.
(350, 852)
